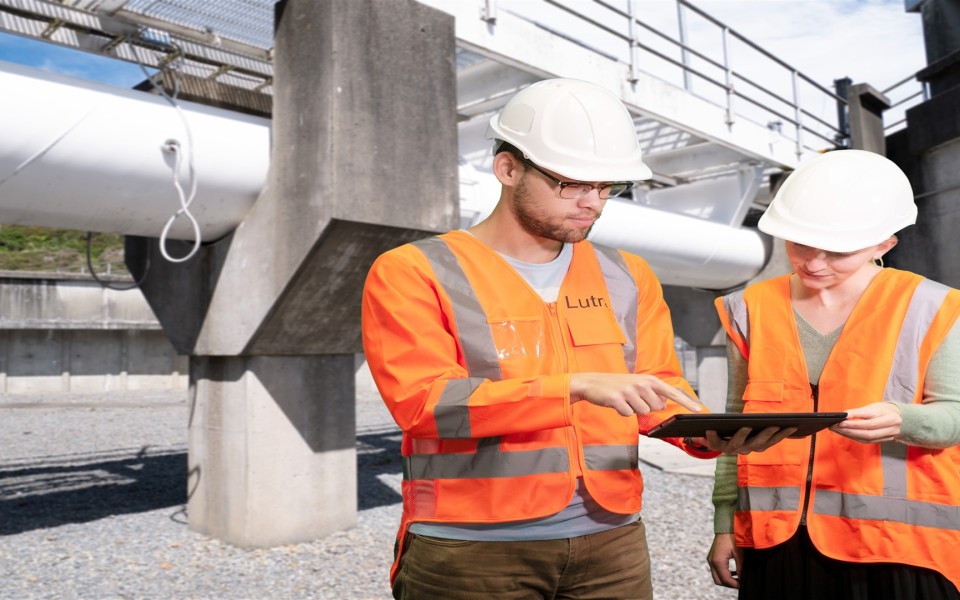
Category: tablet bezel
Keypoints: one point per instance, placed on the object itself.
(727, 424)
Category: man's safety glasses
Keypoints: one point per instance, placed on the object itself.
(573, 190)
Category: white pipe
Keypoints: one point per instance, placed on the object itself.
(682, 250)
(76, 154)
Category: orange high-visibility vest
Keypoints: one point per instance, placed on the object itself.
(474, 367)
(885, 502)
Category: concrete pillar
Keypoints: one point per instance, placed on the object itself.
(695, 321)
(865, 106)
(363, 158)
(272, 448)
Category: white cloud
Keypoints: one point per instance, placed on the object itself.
(870, 41)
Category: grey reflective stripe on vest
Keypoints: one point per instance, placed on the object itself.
(769, 498)
(486, 464)
(902, 383)
(452, 413)
(905, 372)
(611, 457)
(736, 309)
(623, 298)
(476, 338)
(878, 508)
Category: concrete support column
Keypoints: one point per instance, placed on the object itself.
(272, 456)
(866, 106)
(695, 321)
(363, 159)
(712, 375)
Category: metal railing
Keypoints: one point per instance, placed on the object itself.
(700, 54)
(903, 95)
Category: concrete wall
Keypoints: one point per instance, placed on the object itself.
(928, 150)
(68, 333)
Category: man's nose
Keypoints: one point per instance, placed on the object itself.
(592, 199)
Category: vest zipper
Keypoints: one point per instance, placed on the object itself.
(813, 445)
(558, 342)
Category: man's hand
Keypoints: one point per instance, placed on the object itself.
(723, 550)
(744, 443)
(627, 393)
(877, 422)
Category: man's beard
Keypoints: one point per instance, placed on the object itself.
(536, 223)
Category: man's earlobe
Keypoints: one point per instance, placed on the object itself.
(506, 168)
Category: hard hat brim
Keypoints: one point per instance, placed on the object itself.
(829, 241)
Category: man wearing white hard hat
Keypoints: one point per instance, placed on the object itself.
(521, 363)
(869, 508)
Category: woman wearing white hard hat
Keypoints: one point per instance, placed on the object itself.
(869, 508)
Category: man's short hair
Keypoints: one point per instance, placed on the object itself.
(502, 146)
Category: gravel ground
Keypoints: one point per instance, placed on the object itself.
(92, 506)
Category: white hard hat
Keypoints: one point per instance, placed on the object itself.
(841, 201)
(575, 128)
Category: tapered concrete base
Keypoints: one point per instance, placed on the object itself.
(272, 457)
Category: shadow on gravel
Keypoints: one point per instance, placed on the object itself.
(377, 454)
(58, 490)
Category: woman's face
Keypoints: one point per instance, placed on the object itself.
(819, 269)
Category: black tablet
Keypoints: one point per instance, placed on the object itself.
(727, 424)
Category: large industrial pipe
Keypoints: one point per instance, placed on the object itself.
(77, 154)
(682, 250)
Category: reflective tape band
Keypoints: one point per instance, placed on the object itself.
(611, 457)
(452, 413)
(736, 309)
(905, 375)
(476, 338)
(769, 498)
(485, 465)
(877, 508)
(905, 372)
(623, 298)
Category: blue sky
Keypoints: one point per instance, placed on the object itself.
(52, 57)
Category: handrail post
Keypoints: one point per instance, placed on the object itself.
(728, 78)
(684, 59)
(633, 31)
(842, 87)
(488, 11)
(797, 114)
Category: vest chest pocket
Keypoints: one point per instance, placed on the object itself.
(520, 343)
(593, 327)
(598, 341)
(767, 395)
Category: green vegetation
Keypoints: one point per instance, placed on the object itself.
(40, 249)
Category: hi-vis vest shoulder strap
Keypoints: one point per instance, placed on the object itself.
(873, 502)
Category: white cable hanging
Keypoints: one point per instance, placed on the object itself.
(173, 146)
